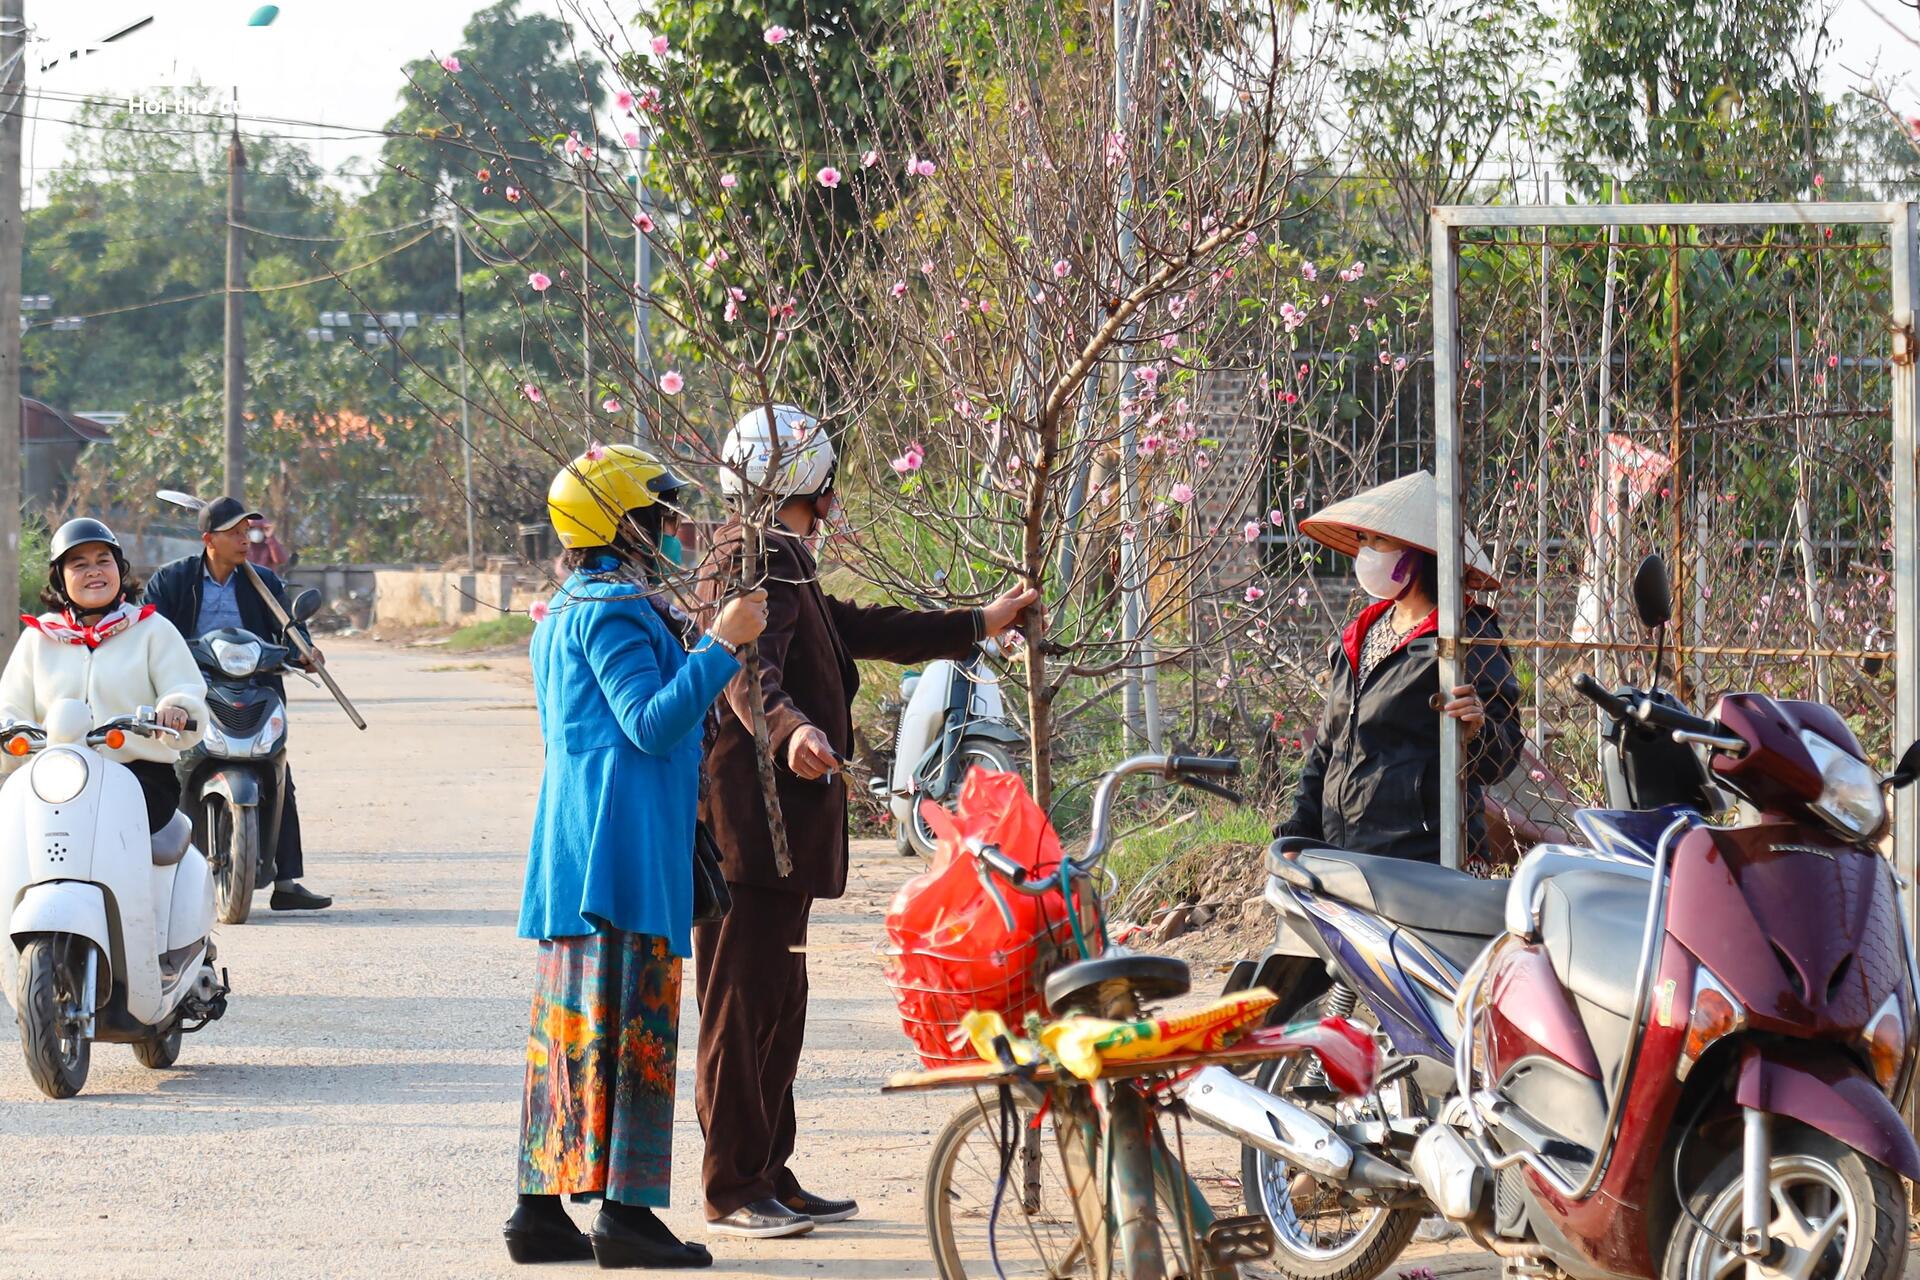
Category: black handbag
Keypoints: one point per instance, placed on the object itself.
(711, 900)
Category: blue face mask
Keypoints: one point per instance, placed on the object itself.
(670, 548)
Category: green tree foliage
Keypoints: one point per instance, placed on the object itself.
(521, 80)
(337, 455)
(1696, 99)
(137, 218)
(1431, 94)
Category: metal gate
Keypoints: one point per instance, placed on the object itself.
(1730, 385)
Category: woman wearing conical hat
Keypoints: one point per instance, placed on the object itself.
(1372, 781)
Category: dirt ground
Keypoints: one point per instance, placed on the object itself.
(355, 1113)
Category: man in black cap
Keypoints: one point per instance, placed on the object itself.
(203, 593)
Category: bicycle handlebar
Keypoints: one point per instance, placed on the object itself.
(1192, 771)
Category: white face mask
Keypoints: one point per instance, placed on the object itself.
(1385, 575)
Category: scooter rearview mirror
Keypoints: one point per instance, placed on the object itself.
(1907, 770)
(1652, 593)
(305, 605)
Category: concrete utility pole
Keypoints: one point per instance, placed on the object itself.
(235, 384)
(466, 428)
(13, 84)
(1140, 696)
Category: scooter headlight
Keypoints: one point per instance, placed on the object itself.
(237, 659)
(59, 775)
(1850, 797)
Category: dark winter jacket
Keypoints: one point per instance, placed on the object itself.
(1372, 781)
(174, 590)
(808, 676)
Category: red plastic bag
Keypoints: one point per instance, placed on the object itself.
(951, 949)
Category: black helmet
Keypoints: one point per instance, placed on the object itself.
(70, 535)
(74, 532)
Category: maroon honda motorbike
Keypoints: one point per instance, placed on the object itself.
(1690, 1070)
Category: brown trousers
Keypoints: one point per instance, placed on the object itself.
(752, 989)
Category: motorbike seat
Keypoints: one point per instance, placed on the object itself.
(1420, 895)
(1151, 979)
(1592, 924)
(171, 842)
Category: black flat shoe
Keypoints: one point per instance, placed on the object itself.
(618, 1245)
(531, 1241)
(820, 1208)
(761, 1220)
(298, 898)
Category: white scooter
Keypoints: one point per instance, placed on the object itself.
(952, 718)
(109, 923)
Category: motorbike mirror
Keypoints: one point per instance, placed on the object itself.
(305, 605)
(1908, 769)
(1652, 593)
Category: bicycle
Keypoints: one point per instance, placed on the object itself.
(1130, 1212)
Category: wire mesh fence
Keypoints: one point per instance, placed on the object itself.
(1719, 393)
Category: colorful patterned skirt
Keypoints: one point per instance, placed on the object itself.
(598, 1114)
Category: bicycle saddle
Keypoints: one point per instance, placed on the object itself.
(1151, 979)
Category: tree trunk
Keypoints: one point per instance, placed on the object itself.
(1039, 696)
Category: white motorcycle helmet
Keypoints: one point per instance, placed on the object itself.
(807, 460)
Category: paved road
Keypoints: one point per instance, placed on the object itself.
(354, 1115)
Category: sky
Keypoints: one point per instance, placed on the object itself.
(338, 61)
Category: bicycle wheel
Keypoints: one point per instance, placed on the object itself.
(1036, 1235)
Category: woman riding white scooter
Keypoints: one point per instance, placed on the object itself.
(113, 655)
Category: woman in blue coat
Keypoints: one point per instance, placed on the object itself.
(609, 890)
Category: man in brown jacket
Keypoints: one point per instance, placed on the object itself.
(750, 973)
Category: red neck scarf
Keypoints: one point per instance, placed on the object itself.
(63, 628)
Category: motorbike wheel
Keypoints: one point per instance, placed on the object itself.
(1315, 1235)
(1839, 1215)
(159, 1052)
(233, 842)
(58, 1056)
(992, 756)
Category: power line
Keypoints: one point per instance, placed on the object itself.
(358, 235)
(265, 288)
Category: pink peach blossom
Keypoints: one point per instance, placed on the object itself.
(659, 46)
(1250, 531)
(775, 35)
(596, 451)
(631, 137)
(531, 392)
(643, 222)
(1277, 518)
(623, 101)
(828, 177)
(728, 182)
(671, 382)
(870, 159)
(450, 63)
(538, 611)
(899, 288)
(540, 281)
(1062, 269)
(1181, 493)
(611, 404)
(1254, 594)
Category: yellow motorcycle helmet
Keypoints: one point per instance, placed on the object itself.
(590, 494)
